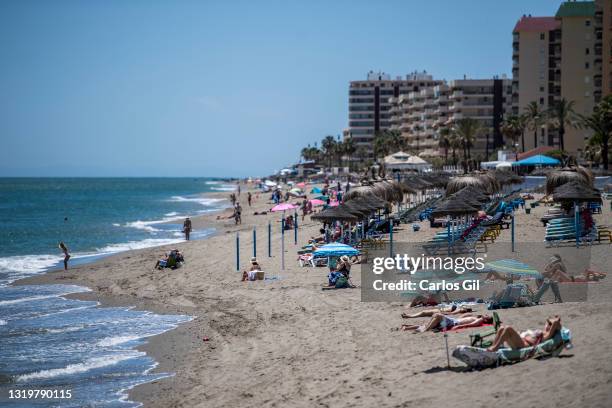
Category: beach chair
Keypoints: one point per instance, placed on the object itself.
(479, 339)
(509, 297)
(306, 260)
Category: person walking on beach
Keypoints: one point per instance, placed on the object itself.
(233, 198)
(64, 249)
(187, 228)
(238, 183)
(249, 198)
(238, 214)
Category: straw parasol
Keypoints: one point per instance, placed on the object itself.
(335, 214)
(457, 183)
(453, 207)
(576, 191)
(557, 178)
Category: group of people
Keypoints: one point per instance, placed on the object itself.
(173, 259)
(340, 276)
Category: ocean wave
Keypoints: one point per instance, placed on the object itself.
(131, 245)
(3, 322)
(78, 368)
(113, 341)
(144, 225)
(27, 299)
(28, 264)
(224, 187)
(200, 200)
(171, 214)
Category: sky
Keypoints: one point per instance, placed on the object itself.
(216, 88)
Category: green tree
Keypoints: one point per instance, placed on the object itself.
(534, 118)
(328, 144)
(560, 115)
(512, 127)
(444, 141)
(467, 129)
(600, 122)
(348, 149)
(382, 144)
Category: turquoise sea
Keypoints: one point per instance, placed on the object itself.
(50, 342)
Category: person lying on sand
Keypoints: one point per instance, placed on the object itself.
(430, 299)
(509, 336)
(444, 322)
(251, 273)
(556, 271)
(453, 310)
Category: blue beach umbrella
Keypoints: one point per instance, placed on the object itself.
(335, 249)
(316, 190)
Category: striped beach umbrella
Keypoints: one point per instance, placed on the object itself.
(335, 249)
(511, 267)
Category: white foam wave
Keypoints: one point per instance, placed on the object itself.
(213, 182)
(131, 245)
(113, 341)
(200, 200)
(224, 187)
(28, 264)
(143, 225)
(2, 322)
(171, 214)
(116, 224)
(71, 369)
(27, 299)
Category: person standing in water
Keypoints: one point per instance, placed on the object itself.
(64, 249)
(187, 228)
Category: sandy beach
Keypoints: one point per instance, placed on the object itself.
(287, 343)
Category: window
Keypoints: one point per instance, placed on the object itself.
(587, 79)
(587, 65)
(541, 101)
(587, 51)
(587, 23)
(541, 89)
(542, 36)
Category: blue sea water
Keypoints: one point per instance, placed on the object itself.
(50, 342)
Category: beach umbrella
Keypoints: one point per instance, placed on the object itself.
(296, 192)
(301, 185)
(453, 207)
(333, 204)
(557, 178)
(576, 191)
(316, 202)
(334, 214)
(316, 190)
(283, 207)
(335, 249)
(511, 267)
(357, 209)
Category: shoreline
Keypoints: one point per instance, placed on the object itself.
(288, 343)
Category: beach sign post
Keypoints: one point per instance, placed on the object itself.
(269, 240)
(512, 231)
(295, 228)
(254, 243)
(390, 237)
(237, 252)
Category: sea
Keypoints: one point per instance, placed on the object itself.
(49, 342)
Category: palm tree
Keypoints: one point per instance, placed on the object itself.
(562, 114)
(329, 148)
(467, 130)
(396, 140)
(535, 118)
(348, 149)
(512, 127)
(382, 144)
(600, 122)
(455, 143)
(444, 141)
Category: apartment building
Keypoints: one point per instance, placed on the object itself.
(369, 103)
(487, 100)
(536, 70)
(562, 57)
(419, 116)
(603, 33)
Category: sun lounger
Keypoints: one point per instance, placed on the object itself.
(514, 294)
(478, 339)
(476, 357)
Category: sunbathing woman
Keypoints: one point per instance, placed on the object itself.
(430, 299)
(515, 340)
(443, 322)
(556, 271)
(453, 310)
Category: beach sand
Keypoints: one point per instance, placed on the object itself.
(287, 343)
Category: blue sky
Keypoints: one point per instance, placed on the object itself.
(216, 88)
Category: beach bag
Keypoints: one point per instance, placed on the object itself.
(476, 357)
(342, 282)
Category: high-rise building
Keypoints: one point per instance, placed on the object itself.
(369, 103)
(420, 116)
(603, 33)
(536, 70)
(558, 58)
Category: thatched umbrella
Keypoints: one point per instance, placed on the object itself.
(335, 214)
(453, 207)
(359, 191)
(457, 183)
(505, 177)
(359, 209)
(576, 191)
(557, 178)
(371, 200)
(467, 198)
